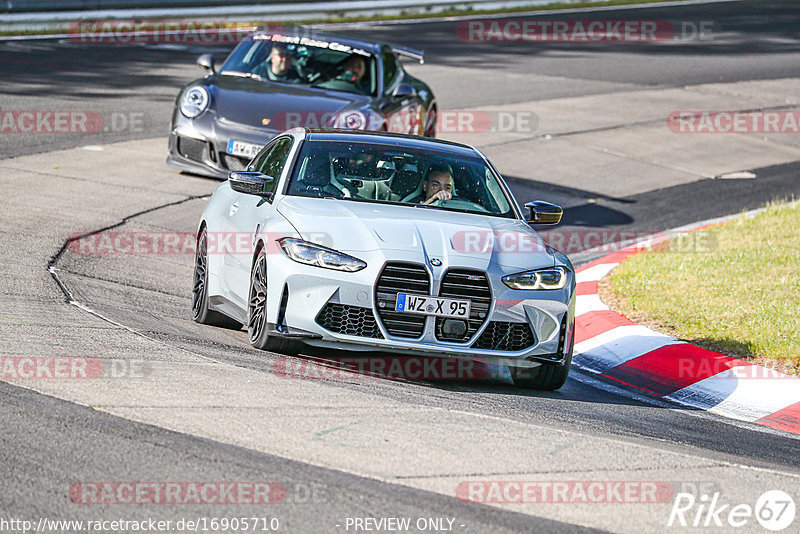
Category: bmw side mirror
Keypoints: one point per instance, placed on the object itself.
(403, 90)
(206, 62)
(541, 212)
(249, 182)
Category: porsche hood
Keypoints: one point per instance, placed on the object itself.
(279, 107)
(456, 239)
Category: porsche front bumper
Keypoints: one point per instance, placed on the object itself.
(201, 145)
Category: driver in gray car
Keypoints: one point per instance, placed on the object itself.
(280, 65)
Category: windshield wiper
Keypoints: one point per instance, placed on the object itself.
(243, 75)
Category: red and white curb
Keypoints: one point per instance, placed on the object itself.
(612, 346)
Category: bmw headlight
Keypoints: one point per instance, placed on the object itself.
(311, 254)
(352, 120)
(195, 101)
(550, 278)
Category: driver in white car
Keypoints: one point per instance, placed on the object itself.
(438, 185)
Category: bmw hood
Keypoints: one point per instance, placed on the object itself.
(276, 106)
(457, 239)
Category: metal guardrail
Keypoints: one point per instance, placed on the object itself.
(43, 11)
(27, 6)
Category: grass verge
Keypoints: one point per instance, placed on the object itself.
(733, 288)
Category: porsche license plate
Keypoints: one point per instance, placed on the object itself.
(242, 149)
(427, 305)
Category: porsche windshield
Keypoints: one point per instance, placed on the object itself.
(305, 61)
(391, 174)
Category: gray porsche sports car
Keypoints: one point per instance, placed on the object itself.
(273, 82)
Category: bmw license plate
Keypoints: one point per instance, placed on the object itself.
(426, 305)
(242, 149)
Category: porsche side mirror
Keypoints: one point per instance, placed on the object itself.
(206, 62)
(403, 90)
(249, 182)
(541, 212)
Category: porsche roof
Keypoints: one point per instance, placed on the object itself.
(313, 35)
(309, 36)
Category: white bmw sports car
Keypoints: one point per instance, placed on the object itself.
(369, 241)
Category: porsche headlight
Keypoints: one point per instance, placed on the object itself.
(194, 101)
(352, 120)
(311, 254)
(550, 278)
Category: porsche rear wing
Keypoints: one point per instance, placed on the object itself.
(411, 53)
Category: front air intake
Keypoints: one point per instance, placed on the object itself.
(401, 278)
(469, 285)
(349, 320)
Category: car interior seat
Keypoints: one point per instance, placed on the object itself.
(405, 183)
(317, 177)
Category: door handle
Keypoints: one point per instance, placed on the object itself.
(234, 209)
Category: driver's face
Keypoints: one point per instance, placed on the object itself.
(438, 181)
(357, 67)
(280, 62)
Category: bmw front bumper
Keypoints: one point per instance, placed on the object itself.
(341, 310)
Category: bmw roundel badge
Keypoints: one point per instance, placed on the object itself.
(436, 262)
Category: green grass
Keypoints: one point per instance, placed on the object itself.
(453, 12)
(741, 297)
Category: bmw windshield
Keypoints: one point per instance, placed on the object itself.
(400, 175)
(304, 61)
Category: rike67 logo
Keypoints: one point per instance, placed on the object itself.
(774, 510)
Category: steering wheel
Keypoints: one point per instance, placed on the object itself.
(458, 203)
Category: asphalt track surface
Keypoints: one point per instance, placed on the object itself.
(47, 444)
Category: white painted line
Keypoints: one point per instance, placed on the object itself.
(619, 345)
(736, 394)
(595, 273)
(588, 303)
